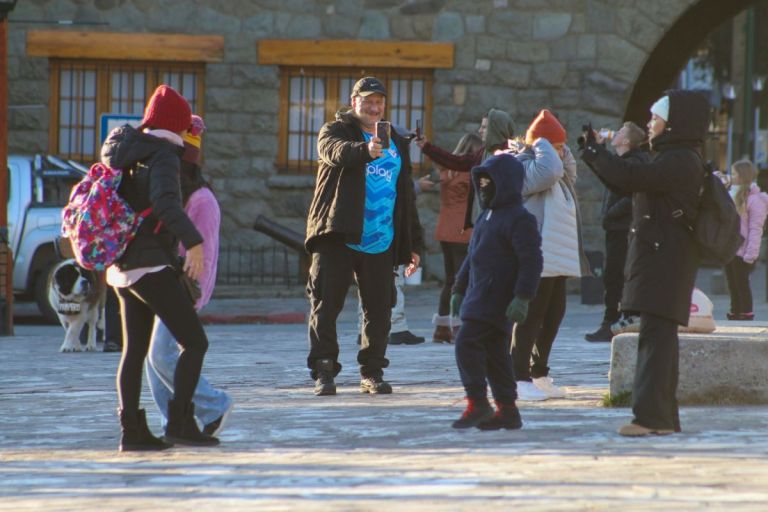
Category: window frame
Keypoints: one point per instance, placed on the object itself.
(153, 71)
(334, 75)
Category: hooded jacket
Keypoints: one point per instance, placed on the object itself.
(752, 222)
(500, 129)
(504, 260)
(662, 258)
(151, 168)
(338, 203)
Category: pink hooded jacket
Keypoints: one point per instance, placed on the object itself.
(752, 224)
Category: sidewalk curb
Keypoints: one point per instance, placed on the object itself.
(294, 317)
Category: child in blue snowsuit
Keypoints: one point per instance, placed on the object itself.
(494, 285)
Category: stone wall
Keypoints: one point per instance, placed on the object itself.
(576, 57)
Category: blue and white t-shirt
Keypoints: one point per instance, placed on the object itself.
(380, 194)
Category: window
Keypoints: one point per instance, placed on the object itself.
(83, 90)
(310, 97)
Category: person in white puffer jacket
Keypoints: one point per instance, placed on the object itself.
(549, 194)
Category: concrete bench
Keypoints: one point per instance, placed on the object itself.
(728, 366)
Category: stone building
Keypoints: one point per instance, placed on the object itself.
(267, 73)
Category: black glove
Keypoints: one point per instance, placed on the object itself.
(590, 145)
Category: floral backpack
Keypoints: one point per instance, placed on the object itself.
(98, 222)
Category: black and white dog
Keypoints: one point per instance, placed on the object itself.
(78, 296)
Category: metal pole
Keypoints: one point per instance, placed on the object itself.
(6, 258)
(729, 147)
(756, 133)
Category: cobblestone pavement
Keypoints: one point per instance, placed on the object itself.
(286, 449)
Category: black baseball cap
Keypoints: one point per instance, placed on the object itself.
(367, 86)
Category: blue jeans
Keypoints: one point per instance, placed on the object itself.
(210, 403)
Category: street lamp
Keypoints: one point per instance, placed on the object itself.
(758, 84)
(729, 94)
(6, 258)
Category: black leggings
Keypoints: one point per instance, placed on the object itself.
(158, 293)
(453, 256)
(532, 340)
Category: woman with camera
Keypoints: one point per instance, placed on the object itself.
(662, 258)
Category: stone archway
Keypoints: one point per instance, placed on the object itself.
(673, 50)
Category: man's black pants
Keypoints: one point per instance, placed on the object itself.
(613, 276)
(654, 400)
(330, 275)
(482, 352)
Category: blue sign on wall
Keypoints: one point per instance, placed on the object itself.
(111, 121)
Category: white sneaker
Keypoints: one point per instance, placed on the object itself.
(547, 385)
(527, 392)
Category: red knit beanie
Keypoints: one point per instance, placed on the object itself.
(167, 110)
(547, 126)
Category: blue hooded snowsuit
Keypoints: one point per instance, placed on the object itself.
(504, 261)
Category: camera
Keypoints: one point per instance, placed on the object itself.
(382, 132)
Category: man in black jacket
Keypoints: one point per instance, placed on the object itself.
(361, 224)
(617, 215)
(663, 256)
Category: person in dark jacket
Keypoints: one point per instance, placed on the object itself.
(146, 276)
(361, 224)
(663, 256)
(617, 216)
(496, 282)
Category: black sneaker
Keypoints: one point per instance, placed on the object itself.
(111, 346)
(604, 333)
(375, 386)
(405, 338)
(476, 412)
(324, 384)
(507, 416)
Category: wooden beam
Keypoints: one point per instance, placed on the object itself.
(125, 46)
(354, 53)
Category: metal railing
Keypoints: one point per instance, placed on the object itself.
(274, 256)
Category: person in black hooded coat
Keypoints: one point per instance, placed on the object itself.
(663, 257)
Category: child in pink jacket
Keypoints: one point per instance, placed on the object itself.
(753, 208)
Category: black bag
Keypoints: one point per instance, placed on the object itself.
(717, 227)
(191, 285)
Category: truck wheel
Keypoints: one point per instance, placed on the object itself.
(41, 294)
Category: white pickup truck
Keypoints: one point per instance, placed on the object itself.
(38, 188)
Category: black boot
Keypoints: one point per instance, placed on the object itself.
(476, 412)
(507, 416)
(135, 435)
(324, 384)
(182, 427)
(604, 333)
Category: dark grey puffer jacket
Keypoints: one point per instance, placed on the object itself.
(151, 168)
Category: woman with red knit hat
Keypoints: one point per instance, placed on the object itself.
(549, 194)
(146, 277)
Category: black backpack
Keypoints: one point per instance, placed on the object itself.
(717, 228)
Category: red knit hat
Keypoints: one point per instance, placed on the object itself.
(547, 126)
(167, 110)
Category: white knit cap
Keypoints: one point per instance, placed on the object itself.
(661, 108)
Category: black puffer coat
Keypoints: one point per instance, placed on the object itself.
(151, 168)
(663, 259)
(338, 204)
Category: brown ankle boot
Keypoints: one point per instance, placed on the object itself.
(443, 334)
